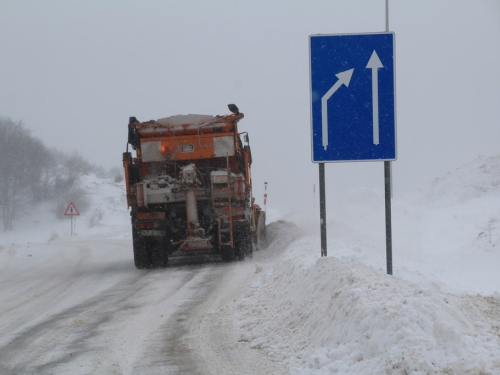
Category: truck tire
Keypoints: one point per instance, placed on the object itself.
(149, 252)
(141, 255)
(243, 242)
(239, 252)
(227, 254)
(159, 252)
(248, 249)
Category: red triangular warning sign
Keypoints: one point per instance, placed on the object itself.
(71, 210)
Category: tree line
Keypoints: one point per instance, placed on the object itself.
(31, 173)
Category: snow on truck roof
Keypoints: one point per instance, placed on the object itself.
(184, 123)
(185, 120)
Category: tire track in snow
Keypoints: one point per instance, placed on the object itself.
(104, 317)
(204, 340)
(80, 330)
(52, 342)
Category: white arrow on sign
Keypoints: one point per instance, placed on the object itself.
(374, 64)
(344, 79)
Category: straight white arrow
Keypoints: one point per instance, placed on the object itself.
(344, 79)
(374, 64)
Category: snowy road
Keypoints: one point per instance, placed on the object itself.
(81, 307)
(77, 304)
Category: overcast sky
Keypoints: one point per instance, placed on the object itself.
(74, 71)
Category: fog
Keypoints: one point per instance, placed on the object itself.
(74, 72)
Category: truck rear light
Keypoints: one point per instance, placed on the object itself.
(151, 215)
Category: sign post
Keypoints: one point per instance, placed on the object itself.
(388, 185)
(322, 209)
(71, 211)
(388, 221)
(353, 114)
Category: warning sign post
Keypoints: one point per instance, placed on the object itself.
(71, 211)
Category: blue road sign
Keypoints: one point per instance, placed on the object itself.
(353, 113)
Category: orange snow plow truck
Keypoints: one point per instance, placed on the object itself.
(190, 190)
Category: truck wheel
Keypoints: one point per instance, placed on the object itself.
(159, 253)
(227, 254)
(261, 235)
(240, 253)
(243, 243)
(141, 255)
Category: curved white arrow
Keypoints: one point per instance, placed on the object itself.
(344, 79)
(374, 64)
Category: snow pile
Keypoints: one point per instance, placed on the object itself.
(477, 178)
(337, 316)
(343, 315)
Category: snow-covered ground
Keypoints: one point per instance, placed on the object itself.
(438, 314)
(106, 216)
(341, 314)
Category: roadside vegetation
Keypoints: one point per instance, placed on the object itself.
(31, 173)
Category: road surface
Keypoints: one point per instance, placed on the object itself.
(80, 306)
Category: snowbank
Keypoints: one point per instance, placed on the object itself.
(343, 315)
(337, 316)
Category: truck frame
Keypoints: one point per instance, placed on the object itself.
(190, 189)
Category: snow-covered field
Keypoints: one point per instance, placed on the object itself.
(77, 303)
(438, 314)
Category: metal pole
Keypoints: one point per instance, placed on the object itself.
(71, 226)
(387, 16)
(387, 30)
(322, 208)
(388, 186)
(388, 223)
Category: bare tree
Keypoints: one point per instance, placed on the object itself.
(30, 172)
(41, 169)
(14, 139)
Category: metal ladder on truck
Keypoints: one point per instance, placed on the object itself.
(222, 208)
